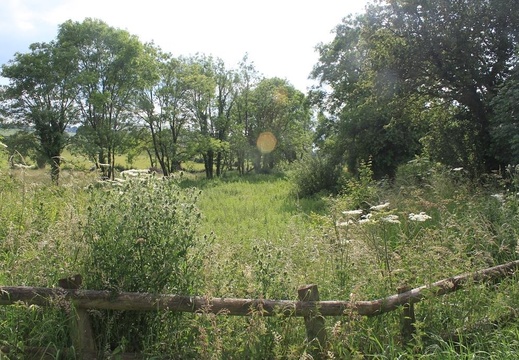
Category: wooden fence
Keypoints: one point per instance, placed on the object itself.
(308, 306)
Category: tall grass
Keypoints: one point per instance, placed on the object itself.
(263, 242)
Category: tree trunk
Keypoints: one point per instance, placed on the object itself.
(150, 156)
(55, 168)
(208, 164)
(219, 164)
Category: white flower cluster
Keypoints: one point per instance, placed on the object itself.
(365, 218)
(419, 217)
(393, 219)
(499, 197)
(349, 214)
(352, 212)
(379, 207)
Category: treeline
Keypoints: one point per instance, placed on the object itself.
(406, 78)
(437, 79)
(127, 97)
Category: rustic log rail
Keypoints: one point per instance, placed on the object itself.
(95, 299)
(307, 306)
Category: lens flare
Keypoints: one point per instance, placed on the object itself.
(266, 142)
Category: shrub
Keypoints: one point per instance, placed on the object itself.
(142, 237)
(314, 174)
(360, 191)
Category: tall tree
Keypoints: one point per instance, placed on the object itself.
(404, 59)
(505, 119)
(111, 71)
(226, 88)
(200, 100)
(162, 105)
(458, 51)
(41, 94)
(279, 109)
(241, 132)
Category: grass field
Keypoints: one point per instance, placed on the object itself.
(254, 238)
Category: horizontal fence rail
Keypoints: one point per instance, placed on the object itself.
(308, 305)
(94, 299)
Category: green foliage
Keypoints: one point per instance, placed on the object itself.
(397, 87)
(360, 191)
(504, 120)
(111, 66)
(314, 174)
(142, 237)
(432, 224)
(41, 94)
(38, 246)
(281, 109)
(23, 146)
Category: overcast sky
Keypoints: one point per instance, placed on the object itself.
(278, 35)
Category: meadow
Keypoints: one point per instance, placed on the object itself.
(252, 237)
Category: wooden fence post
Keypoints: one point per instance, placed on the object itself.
(407, 318)
(79, 321)
(314, 322)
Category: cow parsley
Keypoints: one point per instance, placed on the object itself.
(419, 217)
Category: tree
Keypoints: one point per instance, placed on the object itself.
(405, 59)
(111, 64)
(458, 52)
(505, 120)
(226, 89)
(163, 107)
(241, 131)
(280, 109)
(42, 91)
(200, 96)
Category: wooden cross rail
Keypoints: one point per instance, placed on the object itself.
(95, 299)
(308, 305)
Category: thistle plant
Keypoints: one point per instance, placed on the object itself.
(142, 237)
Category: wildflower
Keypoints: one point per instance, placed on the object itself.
(419, 217)
(344, 242)
(393, 219)
(365, 219)
(344, 223)
(457, 169)
(352, 212)
(499, 197)
(379, 207)
(336, 329)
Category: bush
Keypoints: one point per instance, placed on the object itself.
(314, 174)
(360, 191)
(142, 237)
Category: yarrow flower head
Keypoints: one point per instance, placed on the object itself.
(352, 212)
(393, 219)
(365, 219)
(379, 207)
(345, 223)
(419, 217)
(499, 197)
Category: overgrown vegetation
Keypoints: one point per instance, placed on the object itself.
(143, 237)
(254, 239)
(410, 178)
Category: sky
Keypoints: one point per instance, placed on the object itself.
(279, 36)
